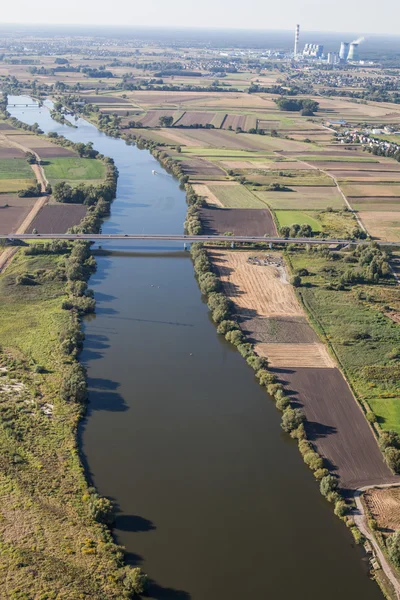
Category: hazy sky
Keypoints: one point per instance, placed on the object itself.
(364, 16)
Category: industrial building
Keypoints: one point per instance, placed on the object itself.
(313, 50)
(344, 51)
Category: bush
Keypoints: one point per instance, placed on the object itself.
(320, 473)
(357, 535)
(328, 484)
(73, 386)
(305, 446)
(265, 377)
(371, 417)
(392, 458)
(135, 581)
(208, 283)
(340, 508)
(389, 438)
(291, 419)
(282, 403)
(313, 460)
(245, 350)
(235, 337)
(226, 326)
(101, 509)
(256, 362)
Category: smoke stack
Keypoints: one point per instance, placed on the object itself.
(353, 52)
(296, 39)
(344, 50)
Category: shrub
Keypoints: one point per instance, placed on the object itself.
(371, 417)
(256, 362)
(340, 508)
(245, 349)
(73, 386)
(299, 433)
(313, 460)
(101, 509)
(226, 326)
(392, 458)
(220, 314)
(135, 581)
(357, 535)
(208, 283)
(320, 473)
(305, 446)
(282, 403)
(235, 337)
(273, 388)
(265, 377)
(291, 419)
(389, 438)
(328, 484)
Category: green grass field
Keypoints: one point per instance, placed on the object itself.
(286, 218)
(354, 323)
(325, 157)
(15, 168)
(74, 170)
(236, 196)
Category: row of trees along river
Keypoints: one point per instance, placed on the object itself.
(214, 499)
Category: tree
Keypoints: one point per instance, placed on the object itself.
(393, 546)
(291, 419)
(392, 457)
(295, 281)
(328, 484)
(166, 121)
(135, 581)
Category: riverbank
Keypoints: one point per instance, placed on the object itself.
(43, 487)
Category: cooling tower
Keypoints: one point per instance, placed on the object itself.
(344, 50)
(353, 52)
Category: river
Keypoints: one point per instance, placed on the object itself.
(214, 500)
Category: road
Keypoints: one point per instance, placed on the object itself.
(186, 238)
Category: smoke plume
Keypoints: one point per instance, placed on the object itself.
(359, 40)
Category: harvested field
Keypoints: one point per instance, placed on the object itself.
(236, 196)
(238, 221)
(220, 138)
(179, 138)
(14, 185)
(377, 191)
(337, 426)
(53, 151)
(197, 168)
(379, 204)
(257, 291)
(152, 118)
(384, 506)
(361, 167)
(303, 197)
(282, 330)
(100, 99)
(370, 176)
(234, 121)
(191, 118)
(382, 225)
(58, 218)
(296, 355)
(283, 165)
(204, 191)
(245, 164)
(218, 119)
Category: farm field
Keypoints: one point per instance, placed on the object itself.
(261, 294)
(15, 168)
(74, 170)
(382, 225)
(236, 196)
(358, 330)
(298, 177)
(303, 197)
(287, 218)
(384, 506)
(14, 185)
(198, 168)
(239, 221)
(58, 218)
(11, 217)
(369, 189)
(191, 118)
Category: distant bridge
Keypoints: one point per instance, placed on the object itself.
(158, 237)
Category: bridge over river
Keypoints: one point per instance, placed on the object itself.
(233, 239)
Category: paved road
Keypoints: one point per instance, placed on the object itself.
(186, 238)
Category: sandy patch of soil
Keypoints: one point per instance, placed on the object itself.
(203, 190)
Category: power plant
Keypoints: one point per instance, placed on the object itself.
(344, 50)
(296, 39)
(350, 51)
(353, 52)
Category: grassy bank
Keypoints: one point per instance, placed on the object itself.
(54, 538)
(357, 320)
